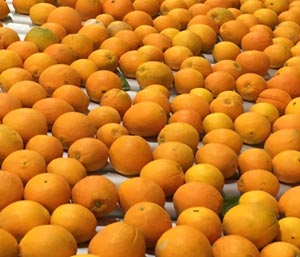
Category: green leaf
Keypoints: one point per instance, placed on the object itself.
(125, 84)
(229, 202)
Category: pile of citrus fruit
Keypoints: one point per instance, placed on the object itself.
(133, 128)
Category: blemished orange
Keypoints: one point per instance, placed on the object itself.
(77, 219)
(280, 140)
(191, 117)
(62, 53)
(23, 48)
(198, 194)
(105, 59)
(258, 179)
(13, 75)
(121, 234)
(204, 219)
(56, 28)
(145, 119)
(117, 98)
(199, 63)
(91, 152)
(100, 82)
(9, 246)
(11, 188)
(139, 189)
(226, 136)
(234, 245)
(254, 61)
(158, 221)
(266, 225)
(219, 53)
(47, 145)
(73, 95)
(57, 238)
(117, 25)
(285, 249)
(175, 55)
(225, 159)
(96, 192)
(28, 92)
(27, 122)
(193, 239)
(167, 173)
(102, 114)
(63, 74)
(220, 15)
(141, 154)
(71, 169)
(253, 127)
(175, 151)
(66, 16)
(206, 173)
(286, 173)
(51, 108)
(33, 214)
(184, 85)
(287, 201)
(63, 127)
(250, 85)
(49, 189)
(254, 158)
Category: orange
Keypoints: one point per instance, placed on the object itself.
(216, 120)
(248, 18)
(157, 39)
(28, 92)
(49, 189)
(8, 103)
(88, 9)
(197, 194)
(57, 238)
(4, 10)
(168, 5)
(48, 146)
(280, 140)
(63, 74)
(62, 53)
(249, 85)
(254, 61)
(9, 36)
(118, 9)
(199, 63)
(181, 15)
(118, 99)
(145, 119)
(167, 173)
(9, 246)
(129, 239)
(251, 6)
(204, 219)
(180, 132)
(274, 248)
(104, 18)
(152, 52)
(170, 32)
(253, 127)
(12, 188)
(175, 55)
(96, 32)
(199, 8)
(84, 67)
(171, 243)
(39, 12)
(66, 16)
(258, 179)
(267, 17)
(283, 53)
(77, 219)
(100, 115)
(105, 59)
(254, 158)
(141, 154)
(234, 245)
(235, 222)
(190, 101)
(139, 189)
(33, 214)
(51, 108)
(71, 169)
(289, 120)
(131, 37)
(292, 106)
(287, 201)
(150, 218)
(73, 95)
(286, 173)
(189, 116)
(9, 59)
(101, 200)
(91, 152)
(175, 151)
(144, 30)
(23, 48)
(289, 32)
(63, 127)
(38, 62)
(206, 173)
(230, 66)
(220, 15)
(226, 136)
(27, 122)
(116, 44)
(23, 8)
(56, 28)
(149, 6)
(160, 88)
(136, 18)
(117, 25)
(219, 53)
(288, 230)
(100, 82)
